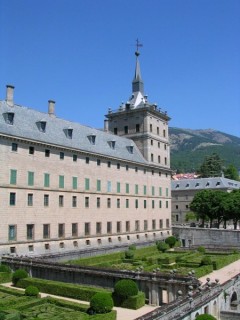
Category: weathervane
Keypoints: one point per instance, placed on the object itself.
(138, 45)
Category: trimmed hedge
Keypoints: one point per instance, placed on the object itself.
(134, 302)
(19, 274)
(11, 291)
(5, 277)
(202, 271)
(61, 288)
(32, 291)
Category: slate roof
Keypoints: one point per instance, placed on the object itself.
(26, 125)
(205, 183)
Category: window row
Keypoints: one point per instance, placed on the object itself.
(87, 202)
(128, 130)
(87, 159)
(108, 185)
(109, 228)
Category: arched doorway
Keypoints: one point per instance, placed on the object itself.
(234, 301)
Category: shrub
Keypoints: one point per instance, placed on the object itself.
(162, 246)
(126, 288)
(201, 249)
(206, 261)
(171, 241)
(129, 254)
(2, 316)
(19, 274)
(101, 302)
(32, 291)
(4, 268)
(134, 302)
(205, 317)
(132, 247)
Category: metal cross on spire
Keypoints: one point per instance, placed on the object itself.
(138, 45)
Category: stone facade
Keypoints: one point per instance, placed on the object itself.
(67, 187)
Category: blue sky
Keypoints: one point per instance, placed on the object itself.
(80, 53)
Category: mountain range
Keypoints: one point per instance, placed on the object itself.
(190, 147)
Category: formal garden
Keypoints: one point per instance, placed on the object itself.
(162, 257)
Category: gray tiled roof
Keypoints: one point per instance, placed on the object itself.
(204, 183)
(25, 126)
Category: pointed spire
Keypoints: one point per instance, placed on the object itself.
(137, 83)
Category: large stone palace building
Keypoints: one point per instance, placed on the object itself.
(65, 186)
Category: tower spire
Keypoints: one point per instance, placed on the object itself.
(137, 83)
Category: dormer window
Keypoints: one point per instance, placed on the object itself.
(9, 117)
(130, 149)
(187, 185)
(68, 132)
(197, 184)
(112, 144)
(177, 186)
(218, 183)
(208, 184)
(42, 125)
(92, 138)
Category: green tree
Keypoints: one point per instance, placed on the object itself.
(205, 317)
(231, 172)
(190, 216)
(232, 207)
(212, 166)
(200, 205)
(171, 241)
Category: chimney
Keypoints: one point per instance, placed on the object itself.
(9, 97)
(51, 108)
(106, 125)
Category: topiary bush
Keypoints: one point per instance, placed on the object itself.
(132, 247)
(201, 249)
(129, 254)
(125, 288)
(171, 241)
(4, 268)
(205, 317)
(101, 302)
(19, 274)
(162, 246)
(32, 291)
(206, 261)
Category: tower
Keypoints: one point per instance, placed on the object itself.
(143, 122)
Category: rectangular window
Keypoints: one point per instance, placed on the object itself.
(166, 192)
(136, 203)
(165, 160)
(137, 225)
(160, 191)
(127, 187)
(47, 153)
(109, 227)
(115, 131)
(153, 204)
(87, 160)
(118, 166)
(158, 130)
(127, 203)
(109, 186)
(118, 226)
(136, 169)
(153, 224)
(145, 225)
(159, 159)
(118, 203)
(145, 190)
(136, 188)
(127, 167)
(61, 201)
(87, 184)
(167, 204)
(127, 226)
(98, 202)
(13, 176)
(137, 127)
(12, 199)
(30, 199)
(98, 185)
(118, 187)
(164, 133)
(126, 129)
(145, 204)
(61, 230)
(61, 155)
(161, 223)
(109, 202)
(109, 164)
(30, 178)
(61, 181)
(30, 231)
(74, 201)
(87, 228)
(74, 229)
(150, 127)
(160, 204)
(74, 183)
(31, 150)
(14, 147)
(98, 228)
(46, 180)
(86, 202)
(167, 223)
(46, 200)
(74, 157)
(46, 231)
(98, 162)
(153, 191)
(12, 232)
